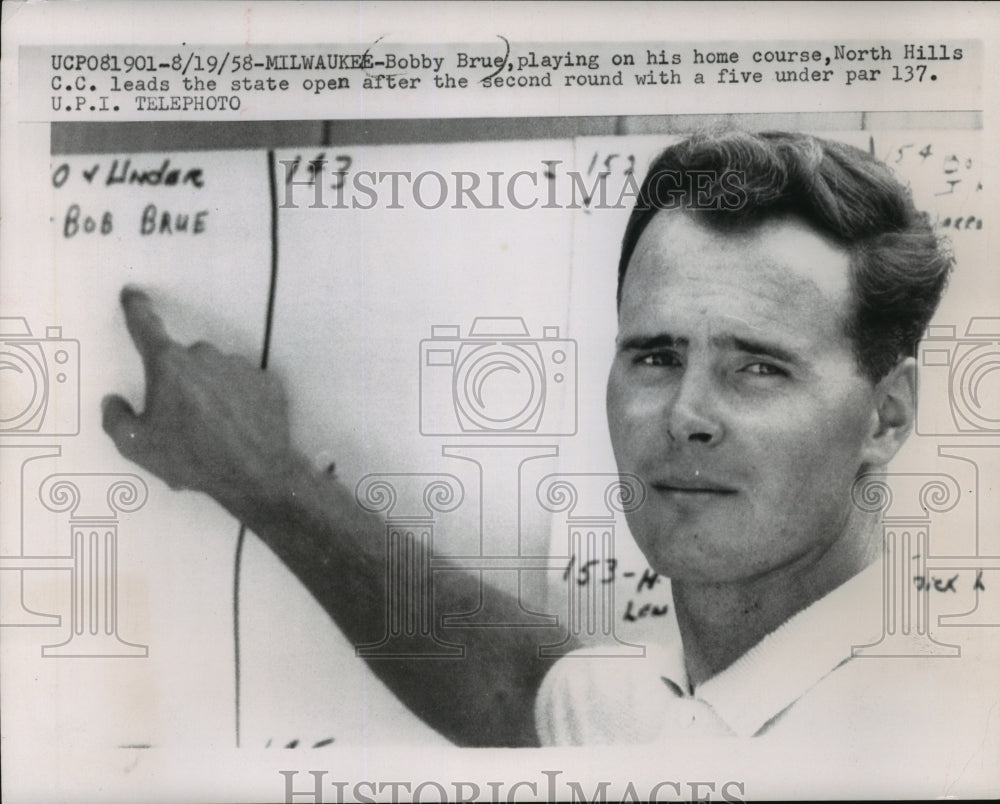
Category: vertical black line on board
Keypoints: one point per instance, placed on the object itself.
(269, 320)
(265, 351)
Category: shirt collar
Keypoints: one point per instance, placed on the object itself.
(789, 661)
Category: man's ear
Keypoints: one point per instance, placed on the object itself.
(892, 422)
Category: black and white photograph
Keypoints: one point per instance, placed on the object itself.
(498, 402)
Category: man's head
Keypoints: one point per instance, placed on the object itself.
(754, 379)
(898, 266)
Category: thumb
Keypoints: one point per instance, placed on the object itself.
(121, 423)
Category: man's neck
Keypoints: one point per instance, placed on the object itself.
(719, 622)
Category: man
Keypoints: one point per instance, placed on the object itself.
(763, 365)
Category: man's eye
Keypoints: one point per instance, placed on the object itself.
(765, 370)
(659, 359)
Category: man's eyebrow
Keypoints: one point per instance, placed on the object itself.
(644, 342)
(759, 348)
(640, 343)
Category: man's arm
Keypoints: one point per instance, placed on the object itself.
(217, 424)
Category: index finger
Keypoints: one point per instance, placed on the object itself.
(144, 323)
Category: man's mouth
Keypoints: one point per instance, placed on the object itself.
(693, 486)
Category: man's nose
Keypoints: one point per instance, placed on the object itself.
(693, 413)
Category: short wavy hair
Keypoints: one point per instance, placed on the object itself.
(899, 266)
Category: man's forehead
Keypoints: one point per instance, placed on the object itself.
(779, 277)
(784, 252)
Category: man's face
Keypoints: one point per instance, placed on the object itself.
(735, 396)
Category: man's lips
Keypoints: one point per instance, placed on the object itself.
(692, 485)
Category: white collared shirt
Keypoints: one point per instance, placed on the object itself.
(801, 680)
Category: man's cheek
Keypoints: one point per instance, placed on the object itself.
(631, 422)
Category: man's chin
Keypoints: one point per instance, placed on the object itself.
(698, 548)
